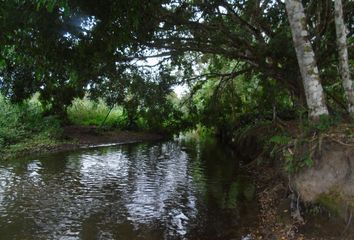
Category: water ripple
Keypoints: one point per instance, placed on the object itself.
(133, 191)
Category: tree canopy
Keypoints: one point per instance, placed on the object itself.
(64, 49)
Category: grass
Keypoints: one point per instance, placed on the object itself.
(87, 112)
(37, 144)
(25, 128)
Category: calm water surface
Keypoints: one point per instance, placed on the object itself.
(165, 190)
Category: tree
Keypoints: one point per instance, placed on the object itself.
(343, 55)
(48, 51)
(306, 59)
(35, 55)
(48, 47)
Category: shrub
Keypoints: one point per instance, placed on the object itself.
(24, 121)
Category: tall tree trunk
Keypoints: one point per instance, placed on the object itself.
(343, 55)
(306, 59)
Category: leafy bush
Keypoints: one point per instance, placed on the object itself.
(10, 125)
(24, 121)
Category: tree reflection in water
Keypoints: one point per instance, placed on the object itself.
(165, 190)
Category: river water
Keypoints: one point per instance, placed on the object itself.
(176, 189)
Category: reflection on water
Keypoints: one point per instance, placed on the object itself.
(167, 190)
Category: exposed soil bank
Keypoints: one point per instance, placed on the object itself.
(330, 181)
(75, 137)
(302, 205)
(90, 136)
(278, 215)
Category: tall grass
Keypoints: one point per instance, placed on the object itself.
(93, 113)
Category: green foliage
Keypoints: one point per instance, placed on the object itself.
(297, 152)
(10, 125)
(280, 139)
(133, 114)
(289, 162)
(93, 113)
(234, 104)
(51, 4)
(52, 52)
(200, 133)
(293, 163)
(251, 72)
(21, 122)
(308, 161)
(325, 122)
(250, 79)
(276, 142)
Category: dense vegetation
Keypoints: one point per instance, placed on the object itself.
(24, 126)
(89, 63)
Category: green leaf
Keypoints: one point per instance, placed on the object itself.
(308, 161)
(280, 139)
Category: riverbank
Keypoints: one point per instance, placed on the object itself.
(75, 137)
(278, 163)
(282, 216)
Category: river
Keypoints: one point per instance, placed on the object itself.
(178, 189)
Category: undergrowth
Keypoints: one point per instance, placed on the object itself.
(295, 145)
(25, 123)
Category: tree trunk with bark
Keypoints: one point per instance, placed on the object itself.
(343, 55)
(306, 59)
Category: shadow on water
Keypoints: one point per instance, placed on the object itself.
(166, 190)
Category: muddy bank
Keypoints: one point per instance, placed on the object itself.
(90, 136)
(75, 137)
